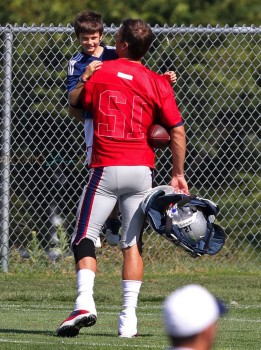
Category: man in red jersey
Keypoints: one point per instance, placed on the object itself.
(125, 98)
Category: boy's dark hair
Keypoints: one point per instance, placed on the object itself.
(138, 35)
(88, 23)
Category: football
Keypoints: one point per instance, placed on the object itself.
(158, 136)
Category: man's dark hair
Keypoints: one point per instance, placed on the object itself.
(138, 35)
(88, 23)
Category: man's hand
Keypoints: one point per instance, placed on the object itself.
(179, 184)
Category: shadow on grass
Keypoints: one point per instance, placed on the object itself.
(53, 334)
(25, 331)
(113, 335)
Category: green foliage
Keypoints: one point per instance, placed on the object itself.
(63, 240)
(34, 249)
(218, 86)
(154, 11)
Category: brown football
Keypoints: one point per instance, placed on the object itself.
(158, 136)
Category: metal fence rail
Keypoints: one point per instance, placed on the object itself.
(42, 149)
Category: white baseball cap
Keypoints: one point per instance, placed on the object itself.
(190, 310)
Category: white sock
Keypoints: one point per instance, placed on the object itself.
(85, 284)
(130, 291)
(127, 322)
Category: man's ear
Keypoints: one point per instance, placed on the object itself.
(125, 45)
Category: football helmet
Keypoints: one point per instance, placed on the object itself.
(185, 220)
(190, 221)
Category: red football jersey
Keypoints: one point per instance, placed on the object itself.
(125, 99)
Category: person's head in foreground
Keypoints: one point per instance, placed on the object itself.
(190, 316)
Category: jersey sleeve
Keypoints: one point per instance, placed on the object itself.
(86, 95)
(169, 114)
(73, 74)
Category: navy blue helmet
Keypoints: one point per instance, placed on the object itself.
(185, 220)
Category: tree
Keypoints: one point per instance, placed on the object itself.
(159, 12)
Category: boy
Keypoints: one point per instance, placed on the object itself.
(88, 28)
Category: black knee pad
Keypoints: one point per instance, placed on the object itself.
(84, 249)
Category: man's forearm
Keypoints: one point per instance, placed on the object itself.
(178, 149)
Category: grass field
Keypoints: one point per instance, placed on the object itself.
(32, 306)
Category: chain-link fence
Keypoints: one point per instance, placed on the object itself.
(42, 148)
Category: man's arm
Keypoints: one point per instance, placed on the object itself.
(178, 149)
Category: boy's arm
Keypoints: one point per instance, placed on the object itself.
(171, 76)
(76, 113)
(74, 95)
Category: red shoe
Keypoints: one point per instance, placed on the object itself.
(71, 326)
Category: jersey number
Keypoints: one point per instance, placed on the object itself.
(115, 124)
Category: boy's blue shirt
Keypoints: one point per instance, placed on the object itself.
(78, 64)
(76, 67)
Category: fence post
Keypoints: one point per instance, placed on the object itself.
(5, 143)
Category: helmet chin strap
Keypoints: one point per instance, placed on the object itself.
(168, 224)
(185, 200)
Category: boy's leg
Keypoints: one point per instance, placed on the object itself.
(112, 226)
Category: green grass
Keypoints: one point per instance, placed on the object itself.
(33, 305)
